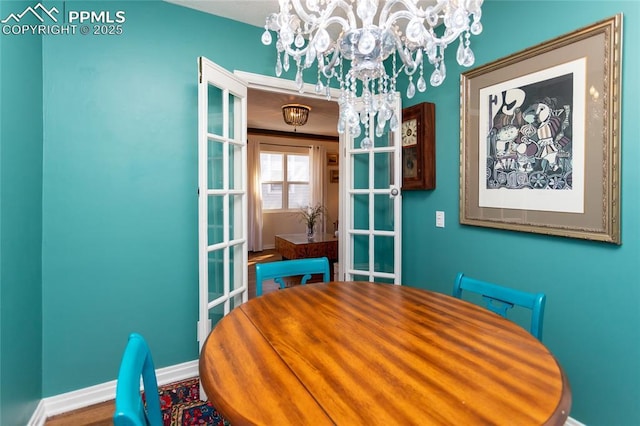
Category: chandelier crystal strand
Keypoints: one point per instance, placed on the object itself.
(278, 66)
(285, 62)
(411, 88)
(366, 33)
(422, 84)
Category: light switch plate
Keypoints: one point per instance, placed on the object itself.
(440, 219)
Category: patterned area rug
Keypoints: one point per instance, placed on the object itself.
(181, 405)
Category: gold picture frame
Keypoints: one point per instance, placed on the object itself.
(332, 159)
(540, 137)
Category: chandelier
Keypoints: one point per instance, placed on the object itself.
(353, 46)
(295, 114)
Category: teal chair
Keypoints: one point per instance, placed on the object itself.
(130, 409)
(500, 299)
(289, 268)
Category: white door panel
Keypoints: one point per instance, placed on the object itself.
(222, 194)
(371, 229)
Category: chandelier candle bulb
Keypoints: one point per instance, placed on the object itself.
(328, 32)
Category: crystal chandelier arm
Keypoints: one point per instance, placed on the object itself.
(447, 12)
(450, 36)
(299, 52)
(410, 65)
(325, 15)
(426, 37)
(328, 69)
(336, 20)
(311, 24)
(395, 16)
(410, 6)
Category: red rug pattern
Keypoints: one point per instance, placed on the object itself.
(181, 405)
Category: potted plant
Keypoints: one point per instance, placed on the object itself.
(309, 215)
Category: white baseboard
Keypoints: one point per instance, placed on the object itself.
(81, 398)
(39, 416)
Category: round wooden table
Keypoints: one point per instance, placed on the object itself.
(360, 353)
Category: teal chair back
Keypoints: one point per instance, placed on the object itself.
(130, 409)
(500, 299)
(289, 268)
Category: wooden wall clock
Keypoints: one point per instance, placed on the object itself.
(419, 146)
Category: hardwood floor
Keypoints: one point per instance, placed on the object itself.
(100, 414)
(95, 415)
(261, 257)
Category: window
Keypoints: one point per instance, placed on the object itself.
(285, 180)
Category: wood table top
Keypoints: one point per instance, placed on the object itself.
(366, 353)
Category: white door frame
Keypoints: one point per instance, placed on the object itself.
(281, 85)
(290, 87)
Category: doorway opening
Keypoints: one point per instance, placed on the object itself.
(267, 129)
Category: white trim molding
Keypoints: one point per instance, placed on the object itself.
(97, 394)
(283, 85)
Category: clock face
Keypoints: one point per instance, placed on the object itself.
(410, 132)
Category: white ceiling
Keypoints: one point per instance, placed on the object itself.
(264, 111)
(252, 12)
(264, 108)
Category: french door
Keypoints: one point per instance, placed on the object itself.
(222, 194)
(371, 213)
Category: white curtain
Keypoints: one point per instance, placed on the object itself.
(254, 239)
(318, 157)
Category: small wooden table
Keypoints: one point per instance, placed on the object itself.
(297, 246)
(363, 353)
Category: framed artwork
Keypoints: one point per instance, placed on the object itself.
(540, 138)
(334, 176)
(332, 159)
(419, 147)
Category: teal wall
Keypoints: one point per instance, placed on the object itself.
(592, 320)
(20, 224)
(120, 181)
